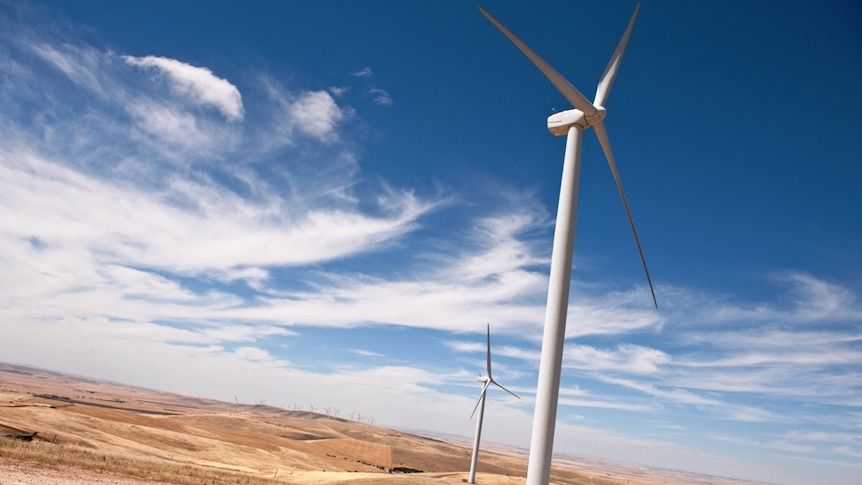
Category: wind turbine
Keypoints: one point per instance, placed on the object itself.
(480, 405)
(571, 123)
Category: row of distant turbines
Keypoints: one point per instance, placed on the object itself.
(333, 412)
(329, 411)
(571, 123)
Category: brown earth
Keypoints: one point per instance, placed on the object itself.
(170, 438)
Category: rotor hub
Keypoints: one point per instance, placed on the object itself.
(559, 123)
(596, 117)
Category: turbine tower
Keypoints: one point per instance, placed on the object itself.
(571, 123)
(480, 405)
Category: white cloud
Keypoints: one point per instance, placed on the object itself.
(366, 353)
(214, 230)
(626, 358)
(608, 316)
(252, 354)
(500, 248)
(365, 72)
(315, 113)
(254, 277)
(363, 299)
(198, 84)
(171, 125)
(605, 404)
(380, 97)
(338, 91)
(817, 299)
(134, 283)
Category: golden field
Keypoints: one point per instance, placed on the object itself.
(86, 427)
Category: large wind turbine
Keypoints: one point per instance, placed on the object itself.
(571, 123)
(480, 405)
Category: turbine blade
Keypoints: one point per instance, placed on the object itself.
(607, 81)
(489, 352)
(481, 395)
(503, 388)
(602, 135)
(570, 92)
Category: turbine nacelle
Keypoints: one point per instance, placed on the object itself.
(559, 123)
(586, 113)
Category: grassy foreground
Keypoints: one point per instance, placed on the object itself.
(53, 455)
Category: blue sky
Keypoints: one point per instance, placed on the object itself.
(324, 203)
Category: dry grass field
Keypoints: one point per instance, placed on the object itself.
(89, 430)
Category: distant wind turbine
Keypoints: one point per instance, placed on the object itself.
(571, 123)
(480, 405)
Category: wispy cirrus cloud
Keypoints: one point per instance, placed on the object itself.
(80, 64)
(808, 299)
(365, 72)
(380, 96)
(139, 206)
(214, 228)
(626, 358)
(172, 219)
(366, 353)
(315, 114)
